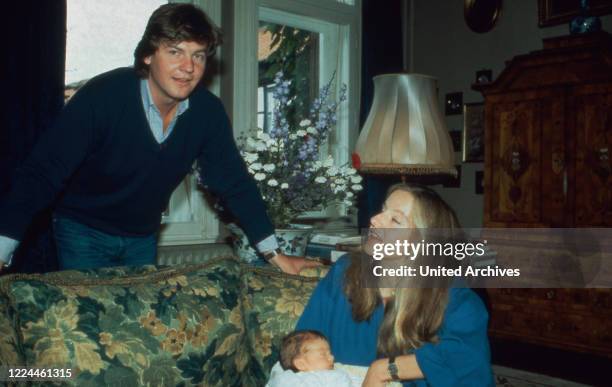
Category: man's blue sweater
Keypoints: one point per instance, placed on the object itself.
(112, 174)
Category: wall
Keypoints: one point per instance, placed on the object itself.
(440, 44)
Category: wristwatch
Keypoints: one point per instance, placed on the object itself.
(392, 368)
(269, 255)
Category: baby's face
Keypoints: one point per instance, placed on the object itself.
(315, 356)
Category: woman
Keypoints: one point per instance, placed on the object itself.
(434, 337)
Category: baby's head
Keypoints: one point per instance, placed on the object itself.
(306, 351)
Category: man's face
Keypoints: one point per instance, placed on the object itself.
(175, 70)
(315, 356)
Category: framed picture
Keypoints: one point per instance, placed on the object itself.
(451, 181)
(453, 103)
(473, 133)
(554, 12)
(455, 136)
(479, 182)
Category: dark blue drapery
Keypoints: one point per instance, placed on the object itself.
(34, 40)
(382, 53)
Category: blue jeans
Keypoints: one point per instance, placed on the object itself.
(82, 247)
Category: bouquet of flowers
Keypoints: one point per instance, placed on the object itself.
(286, 161)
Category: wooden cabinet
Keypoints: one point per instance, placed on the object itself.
(592, 110)
(521, 149)
(548, 163)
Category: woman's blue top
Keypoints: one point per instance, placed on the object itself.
(461, 357)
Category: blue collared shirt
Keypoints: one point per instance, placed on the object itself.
(156, 121)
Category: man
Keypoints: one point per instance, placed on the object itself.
(122, 145)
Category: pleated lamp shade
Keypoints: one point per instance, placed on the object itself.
(405, 132)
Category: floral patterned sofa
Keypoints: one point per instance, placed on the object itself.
(216, 324)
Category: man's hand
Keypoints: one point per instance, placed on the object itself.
(7, 248)
(293, 265)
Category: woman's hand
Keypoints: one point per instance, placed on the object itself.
(377, 375)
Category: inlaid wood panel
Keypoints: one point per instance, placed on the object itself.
(594, 158)
(528, 152)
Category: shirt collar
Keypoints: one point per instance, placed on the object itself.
(147, 98)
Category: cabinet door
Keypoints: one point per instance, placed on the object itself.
(593, 137)
(525, 156)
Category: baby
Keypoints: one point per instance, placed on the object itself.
(306, 360)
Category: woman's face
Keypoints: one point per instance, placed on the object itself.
(390, 225)
(396, 212)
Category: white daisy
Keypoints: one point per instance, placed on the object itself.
(251, 143)
(333, 171)
(263, 136)
(250, 157)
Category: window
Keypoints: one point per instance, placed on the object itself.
(320, 39)
(94, 45)
(294, 52)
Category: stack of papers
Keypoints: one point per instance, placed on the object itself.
(325, 245)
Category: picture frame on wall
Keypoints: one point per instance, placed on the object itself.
(479, 182)
(555, 12)
(456, 137)
(453, 103)
(473, 132)
(453, 181)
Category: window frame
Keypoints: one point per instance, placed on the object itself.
(318, 15)
(191, 219)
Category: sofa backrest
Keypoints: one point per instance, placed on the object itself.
(216, 323)
(272, 303)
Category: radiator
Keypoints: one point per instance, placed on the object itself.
(176, 255)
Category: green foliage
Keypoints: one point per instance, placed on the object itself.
(295, 55)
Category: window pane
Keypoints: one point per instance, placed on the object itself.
(295, 53)
(102, 35)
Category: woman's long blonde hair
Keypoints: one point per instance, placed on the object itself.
(414, 315)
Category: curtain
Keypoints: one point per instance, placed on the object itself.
(33, 84)
(382, 53)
